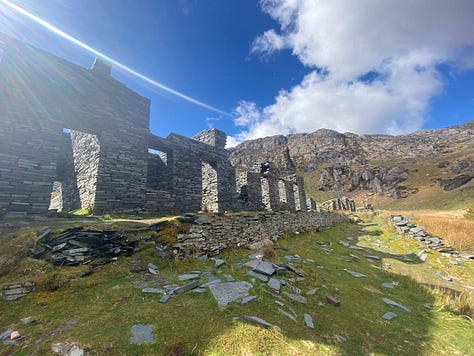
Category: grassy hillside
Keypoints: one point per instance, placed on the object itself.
(104, 301)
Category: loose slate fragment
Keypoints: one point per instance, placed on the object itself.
(344, 243)
(274, 285)
(199, 290)
(259, 276)
(142, 334)
(389, 316)
(358, 248)
(255, 255)
(257, 320)
(279, 303)
(187, 277)
(389, 285)
(308, 320)
(292, 317)
(153, 290)
(165, 298)
(296, 297)
(225, 293)
(248, 299)
(186, 287)
(210, 277)
(372, 257)
(392, 303)
(312, 291)
(265, 268)
(295, 258)
(218, 262)
(333, 300)
(294, 270)
(355, 274)
(152, 266)
(252, 264)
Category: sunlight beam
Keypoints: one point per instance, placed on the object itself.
(117, 64)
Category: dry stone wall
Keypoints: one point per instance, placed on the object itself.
(209, 236)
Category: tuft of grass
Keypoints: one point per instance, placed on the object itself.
(269, 253)
(459, 303)
(13, 250)
(470, 213)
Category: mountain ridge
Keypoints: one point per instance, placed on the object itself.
(306, 151)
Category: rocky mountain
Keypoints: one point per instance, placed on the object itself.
(347, 161)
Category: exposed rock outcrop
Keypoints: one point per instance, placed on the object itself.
(378, 180)
(307, 150)
(343, 151)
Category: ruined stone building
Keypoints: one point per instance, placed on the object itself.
(73, 138)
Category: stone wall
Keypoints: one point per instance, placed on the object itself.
(210, 236)
(39, 96)
(342, 203)
(105, 163)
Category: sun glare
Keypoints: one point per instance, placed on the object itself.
(114, 62)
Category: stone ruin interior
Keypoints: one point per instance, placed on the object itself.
(75, 138)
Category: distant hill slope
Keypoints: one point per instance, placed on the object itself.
(337, 163)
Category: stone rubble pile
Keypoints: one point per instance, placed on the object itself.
(77, 246)
(405, 227)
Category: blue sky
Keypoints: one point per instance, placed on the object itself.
(276, 66)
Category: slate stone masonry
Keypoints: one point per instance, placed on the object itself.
(211, 236)
(73, 137)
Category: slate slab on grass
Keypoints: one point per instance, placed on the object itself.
(355, 274)
(142, 334)
(393, 303)
(285, 313)
(257, 320)
(389, 316)
(248, 299)
(308, 320)
(264, 268)
(225, 293)
(296, 297)
(187, 277)
(153, 290)
(259, 276)
(191, 285)
(274, 285)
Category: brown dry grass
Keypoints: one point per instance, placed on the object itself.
(451, 226)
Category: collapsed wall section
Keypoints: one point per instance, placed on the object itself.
(217, 233)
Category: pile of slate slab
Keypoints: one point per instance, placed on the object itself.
(405, 227)
(78, 246)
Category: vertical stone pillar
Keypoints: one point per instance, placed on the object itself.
(225, 186)
(310, 204)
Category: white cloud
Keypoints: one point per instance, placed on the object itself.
(401, 41)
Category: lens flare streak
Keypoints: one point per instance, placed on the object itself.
(117, 64)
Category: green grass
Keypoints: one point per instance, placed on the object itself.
(193, 322)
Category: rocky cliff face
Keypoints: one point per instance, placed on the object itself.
(334, 154)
